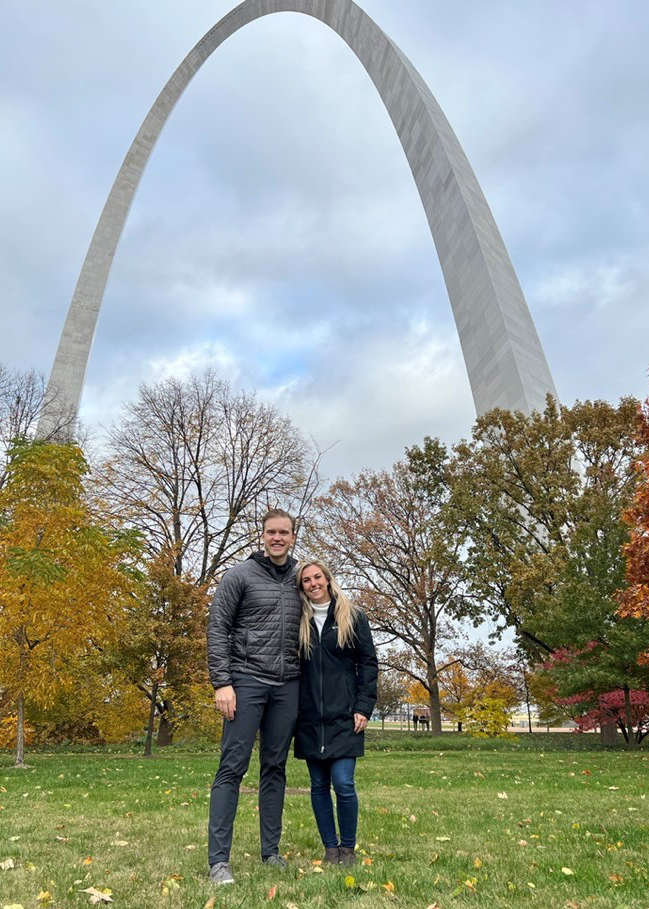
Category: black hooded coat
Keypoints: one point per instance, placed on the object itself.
(335, 683)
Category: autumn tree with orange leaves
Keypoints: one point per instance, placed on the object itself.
(634, 600)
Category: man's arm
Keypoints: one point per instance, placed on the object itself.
(223, 610)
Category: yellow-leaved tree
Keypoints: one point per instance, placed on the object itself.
(64, 578)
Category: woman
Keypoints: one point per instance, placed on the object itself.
(337, 696)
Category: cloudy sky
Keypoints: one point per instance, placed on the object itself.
(277, 234)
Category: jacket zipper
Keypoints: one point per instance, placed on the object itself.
(322, 729)
(281, 652)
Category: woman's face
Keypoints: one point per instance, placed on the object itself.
(315, 584)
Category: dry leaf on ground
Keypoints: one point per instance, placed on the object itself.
(98, 896)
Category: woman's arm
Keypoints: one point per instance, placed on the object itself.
(367, 667)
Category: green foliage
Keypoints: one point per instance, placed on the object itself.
(486, 718)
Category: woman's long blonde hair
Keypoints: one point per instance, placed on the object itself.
(344, 613)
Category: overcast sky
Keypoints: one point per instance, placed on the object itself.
(277, 234)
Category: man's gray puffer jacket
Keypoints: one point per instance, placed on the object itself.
(254, 623)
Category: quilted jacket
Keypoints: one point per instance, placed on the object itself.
(254, 623)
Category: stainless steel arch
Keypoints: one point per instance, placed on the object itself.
(503, 355)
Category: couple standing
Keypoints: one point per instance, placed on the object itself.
(286, 646)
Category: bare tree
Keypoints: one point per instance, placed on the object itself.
(392, 691)
(193, 465)
(390, 537)
(24, 397)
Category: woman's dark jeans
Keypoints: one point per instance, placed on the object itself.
(340, 773)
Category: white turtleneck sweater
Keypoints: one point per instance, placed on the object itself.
(320, 611)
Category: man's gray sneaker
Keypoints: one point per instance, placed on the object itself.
(277, 861)
(220, 873)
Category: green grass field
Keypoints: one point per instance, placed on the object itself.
(453, 825)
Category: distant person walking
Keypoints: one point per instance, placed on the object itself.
(415, 720)
(338, 688)
(252, 645)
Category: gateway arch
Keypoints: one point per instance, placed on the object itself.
(502, 352)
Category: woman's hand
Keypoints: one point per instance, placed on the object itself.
(360, 722)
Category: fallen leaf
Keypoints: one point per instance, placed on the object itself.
(87, 861)
(98, 896)
(442, 839)
(413, 818)
(616, 878)
(7, 865)
(210, 903)
(389, 887)
(119, 843)
(614, 788)
(272, 892)
(12, 906)
(531, 885)
(571, 904)
(502, 795)
(292, 906)
(567, 871)
(477, 863)
(316, 862)
(318, 871)
(44, 896)
(522, 842)
(367, 860)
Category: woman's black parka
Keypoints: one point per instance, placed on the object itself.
(335, 684)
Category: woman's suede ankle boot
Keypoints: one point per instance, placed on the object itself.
(332, 855)
(347, 855)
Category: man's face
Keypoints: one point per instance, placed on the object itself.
(278, 538)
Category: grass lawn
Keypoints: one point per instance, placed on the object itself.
(446, 825)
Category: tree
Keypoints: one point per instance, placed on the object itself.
(624, 709)
(63, 577)
(162, 646)
(193, 466)
(392, 691)
(23, 398)
(543, 495)
(634, 599)
(456, 692)
(584, 675)
(390, 536)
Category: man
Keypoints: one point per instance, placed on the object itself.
(252, 645)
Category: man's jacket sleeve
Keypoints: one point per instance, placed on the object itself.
(223, 610)
(367, 668)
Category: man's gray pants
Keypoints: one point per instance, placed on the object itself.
(271, 709)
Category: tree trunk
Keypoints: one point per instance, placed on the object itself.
(527, 702)
(459, 725)
(630, 742)
(382, 724)
(20, 733)
(433, 697)
(149, 728)
(166, 726)
(608, 733)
